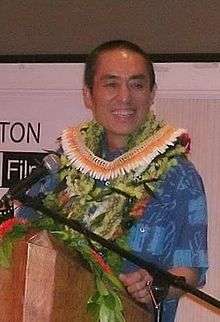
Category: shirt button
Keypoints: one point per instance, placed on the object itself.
(137, 179)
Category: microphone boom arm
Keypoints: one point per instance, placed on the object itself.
(154, 270)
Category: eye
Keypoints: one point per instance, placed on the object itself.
(110, 84)
(138, 85)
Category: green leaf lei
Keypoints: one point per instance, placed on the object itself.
(108, 208)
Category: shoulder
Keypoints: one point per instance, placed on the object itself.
(183, 166)
(184, 191)
(184, 176)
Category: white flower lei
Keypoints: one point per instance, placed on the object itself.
(109, 201)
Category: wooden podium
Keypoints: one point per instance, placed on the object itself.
(47, 283)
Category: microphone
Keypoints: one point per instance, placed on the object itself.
(50, 164)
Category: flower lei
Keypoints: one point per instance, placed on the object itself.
(108, 197)
(10, 230)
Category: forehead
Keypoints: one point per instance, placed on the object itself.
(121, 62)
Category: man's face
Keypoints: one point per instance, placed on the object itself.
(121, 95)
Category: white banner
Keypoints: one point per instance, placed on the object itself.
(37, 101)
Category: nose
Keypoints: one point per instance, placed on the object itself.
(124, 93)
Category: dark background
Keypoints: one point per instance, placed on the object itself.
(32, 159)
(31, 27)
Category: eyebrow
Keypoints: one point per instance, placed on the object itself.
(109, 76)
(139, 76)
(133, 77)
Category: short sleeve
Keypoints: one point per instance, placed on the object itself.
(191, 242)
(39, 189)
(173, 230)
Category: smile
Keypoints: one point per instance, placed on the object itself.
(123, 112)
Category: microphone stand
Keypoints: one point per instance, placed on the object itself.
(158, 291)
(164, 277)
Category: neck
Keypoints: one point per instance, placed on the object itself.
(116, 142)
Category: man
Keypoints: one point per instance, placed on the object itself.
(144, 164)
(120, 95)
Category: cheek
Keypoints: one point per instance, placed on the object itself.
(107, 96)
(144, 101)
(103, 102)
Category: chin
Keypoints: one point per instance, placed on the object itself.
(123, 132)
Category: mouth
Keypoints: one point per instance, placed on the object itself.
(123, 113)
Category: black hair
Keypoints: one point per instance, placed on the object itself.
(92, 59)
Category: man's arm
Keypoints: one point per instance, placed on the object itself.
(42, 187)
(184, 243)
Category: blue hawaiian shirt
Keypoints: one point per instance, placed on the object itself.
(173, 230)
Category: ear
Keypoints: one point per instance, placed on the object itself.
(87, 97)
(152, 94)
